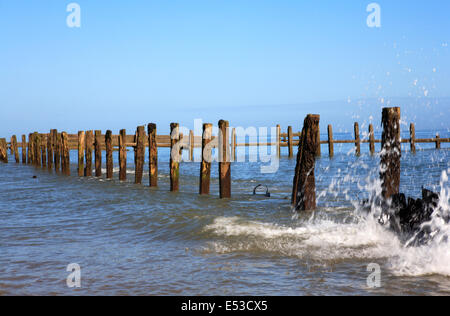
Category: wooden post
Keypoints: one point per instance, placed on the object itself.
(224, 160)
(330, 141)
(290, 142)
(65, 160)
(371, 140)
(24, 149)
(438, 141)
(37, 150)
(174, 157)
(152, 155)
(357, 140)
(3, 151)
(233, 144)
(191, 145)
(278, 141)
(15, 148)
(205, 167)
(390, 152)
(139, 154)
(98, 153)
(412, 135)
(57, 149)
(11, 146)
(122, 155)
(44, 150)
(81, 149)
(304, 185)
(30, 149)
(50, 151)
(89, 146)
(319, 149)
(109, 155)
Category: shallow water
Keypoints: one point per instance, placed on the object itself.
(135, 240)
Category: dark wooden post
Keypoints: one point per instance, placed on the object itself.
(319, 149)
(174, 156)
(152, 155)
(81, 149)
(278, 141)
(205, 167)
(290, 142)
(89, 146)
(140, 154)
(57, 149)
(15, 148)
(357, 140)
(65, 160)
(412, 135)
(224, 160)
(30, 149)
(24, 149)
(3, 151)
(44, 150)
(50, 151)
(390, 152)
(98, 153)
(304, 185)
(109, 155)
(371, 139)
(122, 155)
(37, 150)
(438, 141)
(191, 145)
(330, 141)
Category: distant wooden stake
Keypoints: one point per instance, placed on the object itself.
(224, 160)
(57, 148)
(140, 154)
(205, 166)
(390, 152)
(152, 155)
(37, 150)
(371, 140)
(98, 153)
(30, 149)
(412, 135)
(357, 140)
(24, 149)
(65, 161)
(290, 142)
(330, 141)
(304, 185)
(319, 149)
(278, 141)
(15, 148)
(109, 155)
(44, 150)
(3, 151)
(49, 151)
(438, 141)
(174, 157)
(89, 146)
(233, 144)
(81, 149)
(122, 155)
(191, 145)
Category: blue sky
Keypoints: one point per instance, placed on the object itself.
(251, 62)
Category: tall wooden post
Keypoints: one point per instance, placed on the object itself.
(24, 149)
(330, 141)
(89, 146)
(304, 185)
(438, 141)
(319, 149)
(139, 154)
(390, 152)
(65, 160)
(3, 151)
(81, 149)
(152, 155)
(278, 141)
(412, 135)
(174, 156)
(37, 150)
(57, 148)
(109, 154)
(15, 148)
(44, 150)
(224, 160)
(30, 149)
(205, 167)
(122, 155)
(290, 142)
(98, 153)
(371, 140)
(50, 151)
(357, 140)
(191, 145)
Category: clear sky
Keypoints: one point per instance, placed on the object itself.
(253, 62)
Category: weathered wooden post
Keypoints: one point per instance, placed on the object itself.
(357, 140)
(24, 149)
(412, 139)
(390, 152)
(44, 150)
(205, 167)
(224, 160)
(98, 153)
(152, 155)
(319, 149)
(174, 156)
(65, 160)
(37, 150)
(371, 140)
(109, 154)
(81, 149)
(50, 151)
(438, 141)
(30, 149)
(122, 155)
(89, 148)
(57, 149)
(304, 185)
(278, 141)
(191, 145)
(3, 151)
(330, 141)
(139, 154)
(15, 148)
(290, 142)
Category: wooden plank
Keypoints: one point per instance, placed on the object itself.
(174, 157)
(224, 160)
(205, 166)
(330, 141)
(122, 155)
(109, 155)
(89, 148)
(139, 154)
(81, 149)
(98, 153)
(152, 155)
